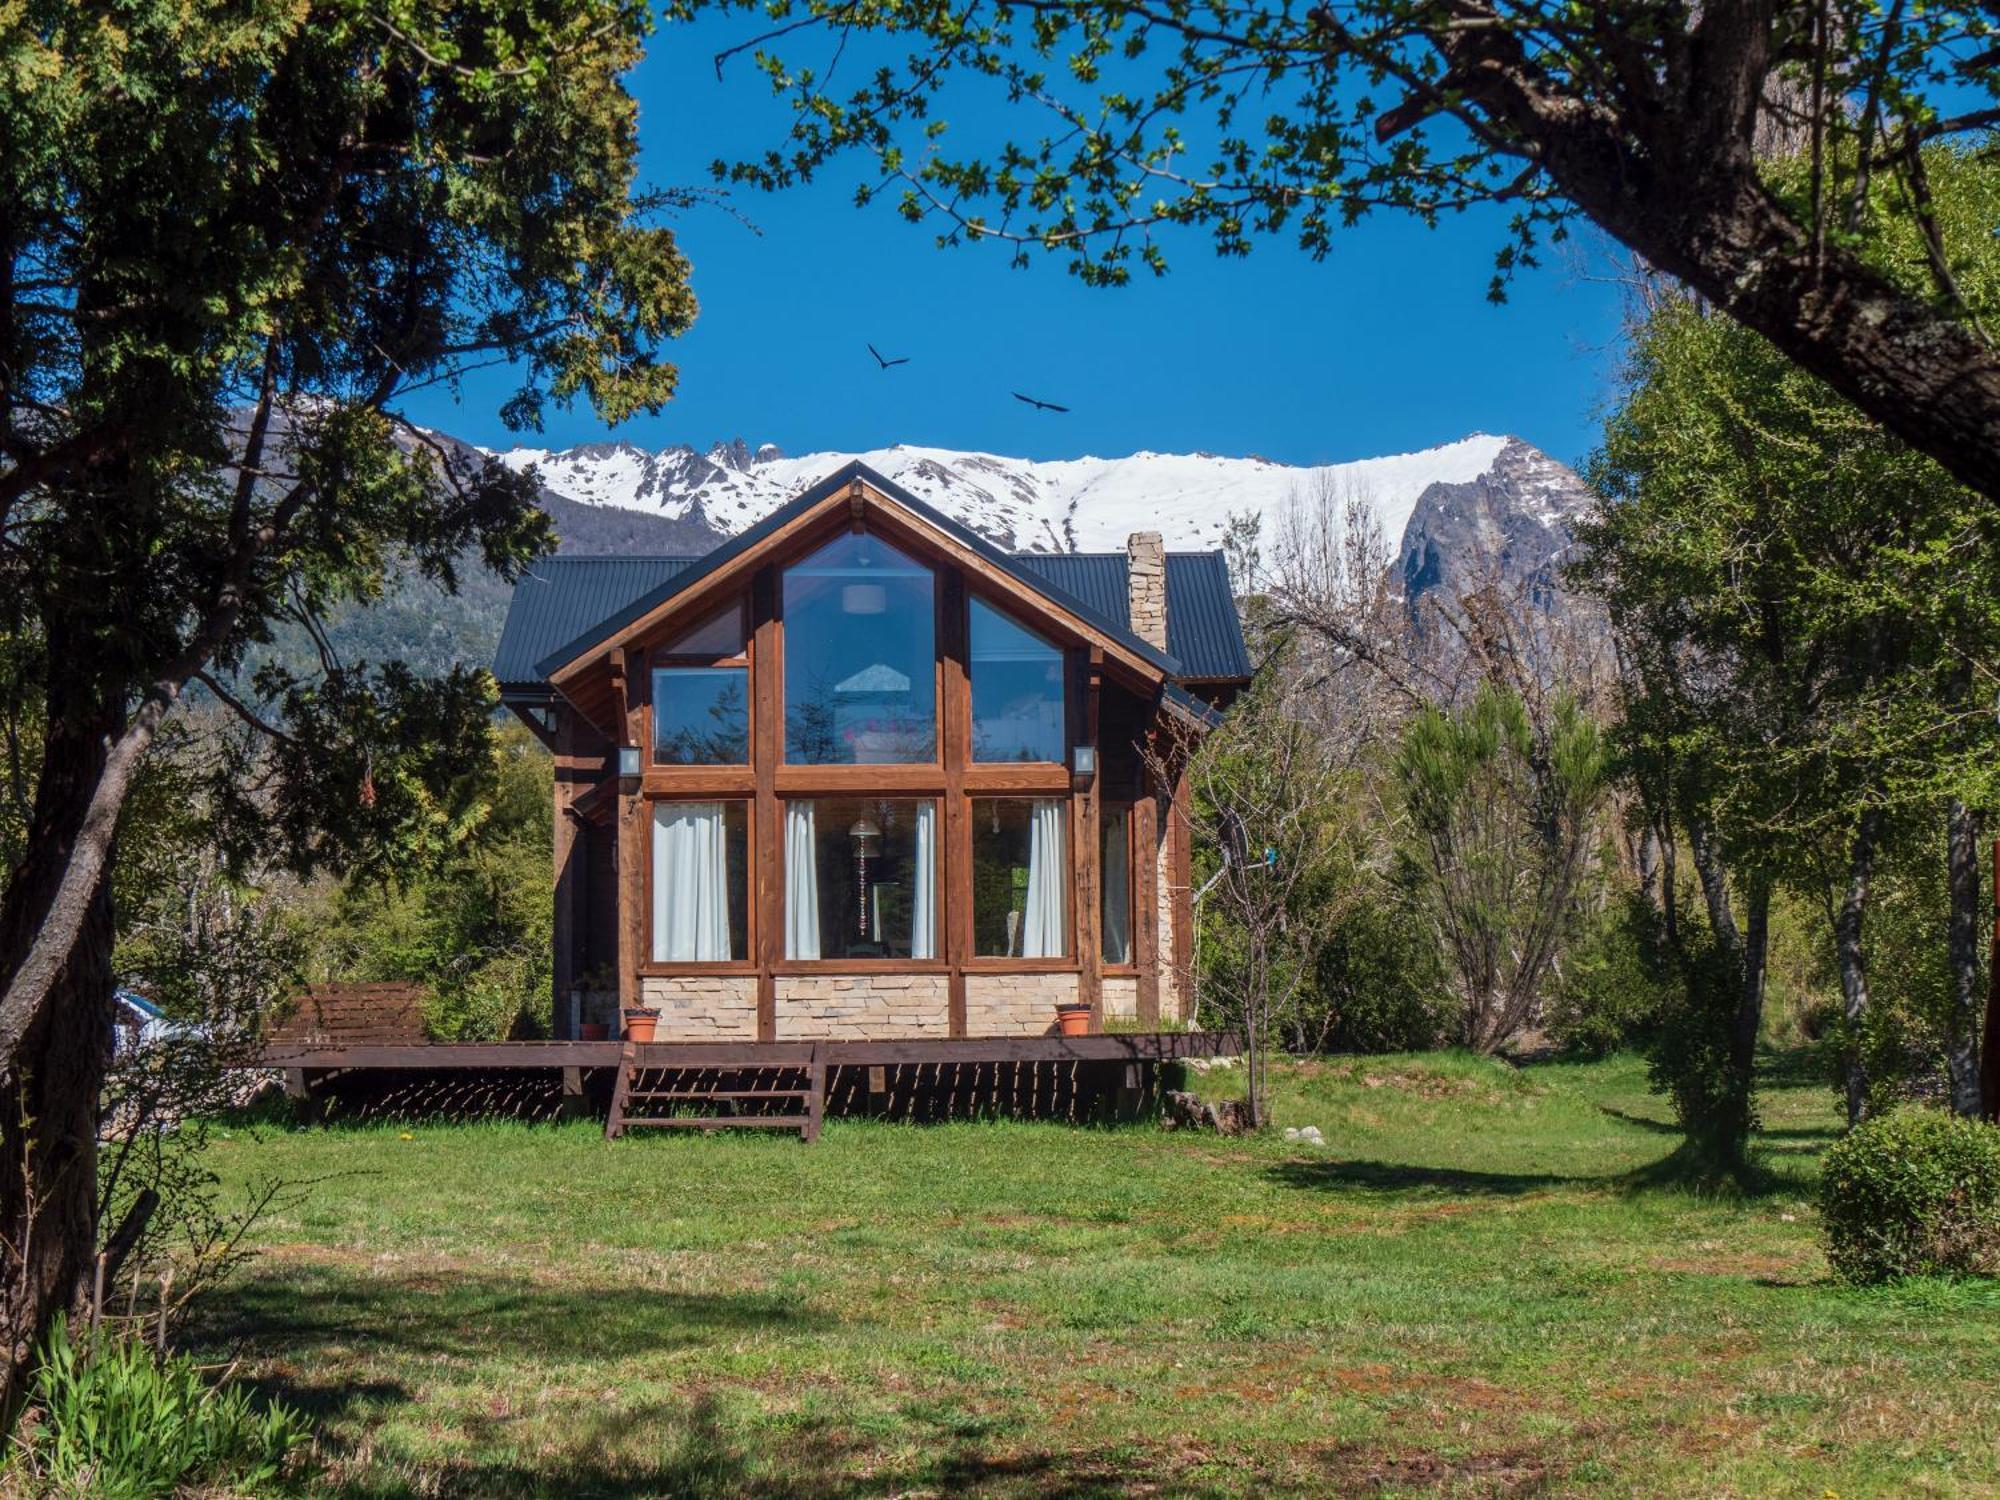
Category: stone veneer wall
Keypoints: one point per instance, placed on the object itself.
(1015, 1004)
(867, 1007)
(1121, 998)
(703, 1007)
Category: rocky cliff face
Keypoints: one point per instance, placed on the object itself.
(1510, 525)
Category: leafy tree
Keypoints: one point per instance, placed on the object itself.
(476, 928)
(231, 236)
(1803, 603)
(1658, 120)
(1504, 815)
(1276, 868)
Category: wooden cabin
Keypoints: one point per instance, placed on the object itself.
(859, 775)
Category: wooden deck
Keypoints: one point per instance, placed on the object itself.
(1110, 1047)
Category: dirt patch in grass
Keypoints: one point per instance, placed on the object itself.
(1731, 1263)
(1496, 1471)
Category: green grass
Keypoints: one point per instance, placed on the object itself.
(1484, 1283)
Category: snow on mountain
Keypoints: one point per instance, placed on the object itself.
(1083, 504)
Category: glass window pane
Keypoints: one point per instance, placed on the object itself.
(860, 656)
(1017, 690)
(719, 635)
(1115, 880)
(700, 902)
(701, 716)
(1020, 878)
(861, 878)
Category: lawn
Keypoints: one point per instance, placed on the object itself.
(1482, 1284)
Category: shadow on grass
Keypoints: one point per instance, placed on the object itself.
(1682, 1170)
(696, 1449)
(314, 1318)
(1402, 1177)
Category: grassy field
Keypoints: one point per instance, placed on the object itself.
(1483, 1284)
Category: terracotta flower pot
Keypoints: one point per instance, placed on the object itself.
(593, 1031)
(639, 1024)
(1073, 1020)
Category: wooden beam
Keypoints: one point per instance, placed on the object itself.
(1088, 804)
(440, 1057)
(955, 858)
(1180, 873)
(633, 828)
(1146, 907)
(767, 747)
(570, 878)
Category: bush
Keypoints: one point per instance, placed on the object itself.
(127, 1426)
(1379, 981)
(1912, 1193)
(1614, 985)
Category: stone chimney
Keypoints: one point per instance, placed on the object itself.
(1146, 578)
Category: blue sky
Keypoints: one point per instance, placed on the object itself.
(1387, 345)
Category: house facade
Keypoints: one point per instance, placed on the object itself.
(858, 774)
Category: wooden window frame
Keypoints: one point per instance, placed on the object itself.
(669, 968)
(1068, 962)
(668, 774)
(1129, 969)
(937, 963)
(768, 781)
(1069, 726)
(803, 776)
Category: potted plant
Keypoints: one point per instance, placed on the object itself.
(640, 1023)
(1073, 1019)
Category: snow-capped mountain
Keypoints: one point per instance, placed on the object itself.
(1482, 502)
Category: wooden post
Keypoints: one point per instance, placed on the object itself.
(1146, 906)
(632, 831)
(572, 1093)
(955, 858)
(1088, 803)
(816, 1094)
(767, 745)
(1180, 892)
(570, 876)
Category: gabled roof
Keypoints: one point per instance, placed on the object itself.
(566, 607)
(561, 598)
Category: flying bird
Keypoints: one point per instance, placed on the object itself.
(885, 363)
(1039, 405)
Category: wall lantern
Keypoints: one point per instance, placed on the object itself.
(629, 765)
(1083, 761)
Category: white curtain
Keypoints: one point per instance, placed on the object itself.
(1042, 923)
(1117, 889)
(801, 882)
(923, 885)
(690, 883)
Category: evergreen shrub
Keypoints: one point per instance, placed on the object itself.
(1912, 1193)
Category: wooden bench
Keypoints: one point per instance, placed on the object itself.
(341, 1015)
(336, 1016)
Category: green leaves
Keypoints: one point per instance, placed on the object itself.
(1504, 810)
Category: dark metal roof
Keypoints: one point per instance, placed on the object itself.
(560, 598)
(1204, 633)
(567, 605)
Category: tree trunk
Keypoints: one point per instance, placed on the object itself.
(1853, 965)
(49, 1099)
(1753, 964)
(1687, 197)
(1962, 876)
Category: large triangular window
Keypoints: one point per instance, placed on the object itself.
(860, 656)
